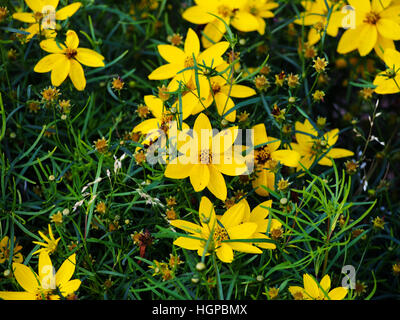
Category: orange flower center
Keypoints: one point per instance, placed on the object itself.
(224, 11)
(220, 234)
(372, 18)
(189, 62)
(205, 156)
(71, 53)
(215, 87)
(38, 16)
(262, 155)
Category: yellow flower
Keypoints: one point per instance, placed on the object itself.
(317, 291)
(388, 81)
(51, 244)
(179, 60)
(222, 90)
(46, 284)
(232, 12)
(376, 26)
(212, 233)
(205, 158)
(164, 121)
(65, 60)
(43, 11)
(260, 9)
(312, 147)
(265, 157)
(316, 15)
(5, 251)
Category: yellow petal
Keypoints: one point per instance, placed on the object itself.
(89, 57)
(72, 40)
(349, 41)
(199, 177)
(225, 253)
(264, 178)
(206, 212)
(171, 53)
(192, 44)
(77, 75)
(233, 216)
(310, 286)
(10, 295)
(24, 17)
(368, 38)
(66, 271)
(392, 58)
(244, 21)
(325, 285)
(260, 212)
(212, 56)
(60, 71)
(216, 183)
(26, 278)
(242, 231)
(70, 287)
(178, 171)
(197, 15)
(51, 46)
(259, 134)
(360, 5)
(388, 29)
(224, 104)
(213, 33)
(68, 11)
(188, 243)
(165, 72)
(239, 91)
(338, 293)
(186, 225)
(45, 268)
(47, 63)
(35, 5)
(155, 105)
(244, 247)
(288, 158)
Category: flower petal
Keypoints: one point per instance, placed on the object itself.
(52, 46)
(192, 44)
(225, 253)
(24, 17)
(199, 177)
(66, 271)
(89, 57)
(68, 11)
(47, 63)
(188, 243)
(72, 40)
(171, 53)
(77, 75)
(60, 71)
(26, 278)
(216, 183)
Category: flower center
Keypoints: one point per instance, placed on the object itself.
(189, 62)
(205, 156)
(319, 146)
(262, 155)
(71, 53)
(165, 120)
(224, 11)
(38, 16)
(372, 17)
(220, 234)
(254, 11)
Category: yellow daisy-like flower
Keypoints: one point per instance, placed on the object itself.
(222, 90)
(46, 284)
(265, 157)
(5, 251)
(312, 147)
(376, 26)
(51, 243)
(43, 13)
(388, 81)
(213, 231)
(179, 60)
(316, 15)
(314, 291)
(260, 9)
(164, 123)
(205, 157)
(65, 60)
(232, 12)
